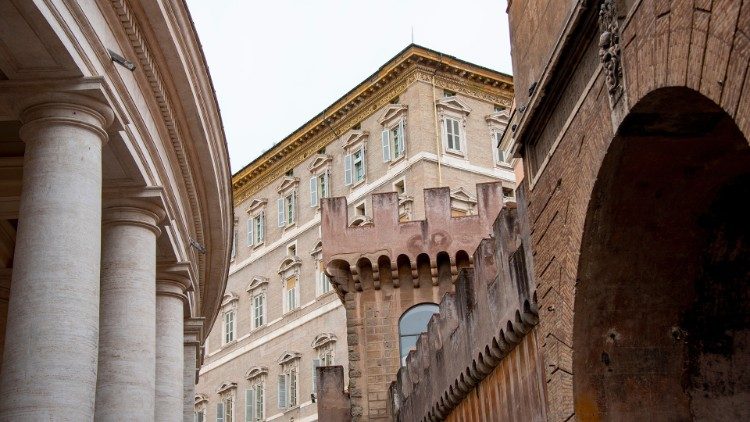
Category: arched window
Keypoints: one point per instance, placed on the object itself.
(413, 323)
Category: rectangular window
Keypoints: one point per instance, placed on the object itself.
(259, 223)
(228, 410)
(500, 156)
(324, 283)
(258, 305)
(358, 163)
(347, 169)
(286, 207)
(452, 134)
(291, 293)
(398, 140)
(318, 188)
(327, 358)
(199, 416)
(228, 327)
(293, 387)
(234, 244)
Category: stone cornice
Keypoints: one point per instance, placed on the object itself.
(413, 64)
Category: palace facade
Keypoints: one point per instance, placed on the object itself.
(424, 119)
(115, 210)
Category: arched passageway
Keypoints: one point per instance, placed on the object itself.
(662, 308)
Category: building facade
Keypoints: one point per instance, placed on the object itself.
(115, 210)
(423, 120)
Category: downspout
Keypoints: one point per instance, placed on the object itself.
(437, 133)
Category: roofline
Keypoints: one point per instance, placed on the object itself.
(402, 56)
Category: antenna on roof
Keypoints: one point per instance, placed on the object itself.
(412, 34)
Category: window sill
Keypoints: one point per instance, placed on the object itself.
(228, 344)
(397, 160)
(326, 294)
(455, 152)
(289, 409)
(290, 312)
(258, 328)
(290, 226)
(258, 245)
(503, 164)
(358, 182)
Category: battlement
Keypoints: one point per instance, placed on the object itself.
(477, 327)
(371, 255)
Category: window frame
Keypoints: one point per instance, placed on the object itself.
(290, 374)
(404, 353)
(225, 333)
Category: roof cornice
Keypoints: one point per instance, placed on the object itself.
(414, 63)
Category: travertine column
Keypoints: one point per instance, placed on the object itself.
(170, 303)
(5, 275)
(125, 383)
(49, 363)
(193, 331)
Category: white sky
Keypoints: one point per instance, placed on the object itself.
(277, 63)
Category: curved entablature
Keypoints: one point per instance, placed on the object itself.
(322, 339)
(225, 387)
(288, 357)
(255, 372)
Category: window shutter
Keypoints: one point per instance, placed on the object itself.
(326, 187)
(347, 169)
(220, 412)
(456, 135)
(293, 211)
(282, 391)
(402, 138)
(314, 191)
(315, 364)
(364, 161)
(250, 231)
(249, 405)
(386, 142)
(262, 227)
(282, 215)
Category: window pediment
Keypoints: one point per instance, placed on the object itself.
(452, 104)
(320, 163)
(287, 184)
(500, 118)
(361, 221)
(256, 204)
(318, 249)
(354, 138)
(462, 195)
(289, 263)
(226, 386)
(323, 339)
(257, 282)
(255, 372)
(405, 199)
(288, 357)
(392, 112)
(200, 398)
(229, 298)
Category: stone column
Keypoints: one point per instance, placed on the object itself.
(193, 335)
(49, 364)
(125, 384)
(5, 275)
(170, 304)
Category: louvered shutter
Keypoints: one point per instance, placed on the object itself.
(402, 139)
(314, 191)
(386, 142)
(220, 412)
(347, 169)
(249, 405)
(262, 227)
(250, 231)
(293, 210)
(315, 365)
(282, 215)
(282, 392)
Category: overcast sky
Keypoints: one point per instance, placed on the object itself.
(276, 64)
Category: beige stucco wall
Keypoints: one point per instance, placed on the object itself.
(295, 331)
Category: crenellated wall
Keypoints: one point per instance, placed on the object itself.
(476, 331)
(382, 270)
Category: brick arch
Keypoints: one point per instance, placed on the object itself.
(681, 44)
(650, 260)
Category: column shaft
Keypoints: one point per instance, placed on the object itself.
(169, 352)
(49, 363)
(127, 350)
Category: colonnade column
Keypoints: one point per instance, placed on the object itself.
(170, 313)
(49, 364)
(193, 332)
(127, 339)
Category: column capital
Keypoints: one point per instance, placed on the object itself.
(194, 330)
(48, 109)
(173, 280)
(133, 212)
